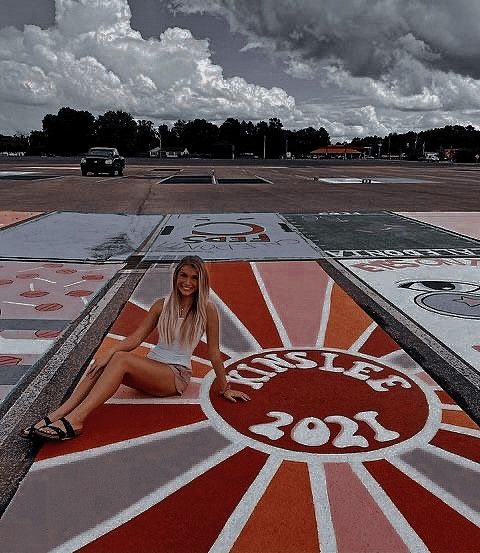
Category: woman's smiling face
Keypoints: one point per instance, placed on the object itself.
(187, 281)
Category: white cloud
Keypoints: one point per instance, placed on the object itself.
(92, 59)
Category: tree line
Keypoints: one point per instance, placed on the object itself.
(73, 132)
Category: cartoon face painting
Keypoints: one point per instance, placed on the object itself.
(452, 298)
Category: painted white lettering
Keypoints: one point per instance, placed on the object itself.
(391, 381)
(299, 357)
(256, 383)
(274, 362)
(361, 369)
(244, 367)
(328, 365)
(382, 434)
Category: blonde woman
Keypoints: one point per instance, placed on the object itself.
(181, 318)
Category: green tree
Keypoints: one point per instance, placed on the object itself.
(69, 132)
(117, 129)
(146, 138)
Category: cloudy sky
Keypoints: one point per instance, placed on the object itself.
(357, 67)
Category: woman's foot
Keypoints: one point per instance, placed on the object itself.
(29, 431)
(60, 431)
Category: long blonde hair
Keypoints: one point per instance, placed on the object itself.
(195, 321)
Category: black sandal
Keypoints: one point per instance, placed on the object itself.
(29, 431)
(59, 435)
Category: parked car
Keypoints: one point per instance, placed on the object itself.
(102, 160)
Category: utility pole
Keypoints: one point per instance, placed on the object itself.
(264, 144)
(160, 144)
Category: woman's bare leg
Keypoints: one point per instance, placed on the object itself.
(77, 396)
(139, 372)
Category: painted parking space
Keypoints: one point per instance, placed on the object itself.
(78, 236)
(37, 302)
(347, 444)
(8, 218)
(229, 236)
(441, 295)
(466, 223)
(382, 234)
(371, 180)
(25, 175)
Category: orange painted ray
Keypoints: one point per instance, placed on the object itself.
(378, 344)
(113, 423)
(237, 286)
(347, 321)
(459, 418)
(297, 291)
(129, 319)
(445, 398)
(284, 518)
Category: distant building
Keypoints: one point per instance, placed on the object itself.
(169, 152)
(339, 152)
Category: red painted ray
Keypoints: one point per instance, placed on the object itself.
(379, 344)
(237, 286)
(445, 398)
(113, 423)
(460, 444)
(129, 319)
(439, 526)
(190, 519)
(299, 307)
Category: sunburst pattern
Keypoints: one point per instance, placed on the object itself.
(197, 473)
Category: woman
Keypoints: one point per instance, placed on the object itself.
(182, 318)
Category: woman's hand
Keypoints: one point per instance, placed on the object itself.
(98, 363)
(232, 394)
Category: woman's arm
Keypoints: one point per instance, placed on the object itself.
(131, 341)
(213, 331)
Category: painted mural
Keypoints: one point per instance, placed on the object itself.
(229, 236)
(37, 302)
(347, 444)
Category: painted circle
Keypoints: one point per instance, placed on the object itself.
(66, 271)
(454, 304)
(47, 333)
(34, 293)
(28, 275)
(48, 307)
(5, 281)
(92, 277)
(9, 360)
(313, 397)
(52, 265)
(79, 293)
(227, 228)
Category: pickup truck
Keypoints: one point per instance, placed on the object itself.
(102, 160)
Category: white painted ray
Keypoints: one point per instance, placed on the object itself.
(254, 345)
(325, 314)
(153, 401)
(146, 502)
(46, 280)
(396, 519)
(117, 446)
(452, 457)
(271, 308)
(25, 345)
(451, 407)
(30, 269)
(139, 304)
(461, 430)
(436, 490)
(363, 337)
(321, 503)
(237, 520)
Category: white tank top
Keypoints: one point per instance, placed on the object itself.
(174, 353)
